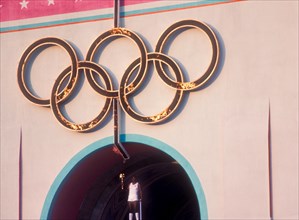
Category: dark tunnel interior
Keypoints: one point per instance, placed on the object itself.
(92, 190)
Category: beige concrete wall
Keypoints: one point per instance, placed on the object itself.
(222, 130)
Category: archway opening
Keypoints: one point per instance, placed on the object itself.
(92, 188)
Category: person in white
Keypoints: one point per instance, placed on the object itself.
(134, 198)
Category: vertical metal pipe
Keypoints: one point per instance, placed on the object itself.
(116, 13)
(120, 147)
(115, 117)
(118, 144)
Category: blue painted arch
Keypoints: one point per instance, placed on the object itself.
(127, 138)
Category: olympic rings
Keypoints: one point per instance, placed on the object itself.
(60, 93)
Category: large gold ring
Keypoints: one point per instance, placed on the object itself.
(162, 42)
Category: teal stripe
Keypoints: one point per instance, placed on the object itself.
(127, 138)
(174, 7)
(109, 16)
(54, 23)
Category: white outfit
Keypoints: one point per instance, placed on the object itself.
(133, 192)
(133, 198)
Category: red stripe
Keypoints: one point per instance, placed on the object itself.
(16, 10)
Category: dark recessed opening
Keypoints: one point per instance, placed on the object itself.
(92, 190)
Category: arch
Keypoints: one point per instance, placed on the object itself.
(128, 138)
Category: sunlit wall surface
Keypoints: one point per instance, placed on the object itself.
(234, 139)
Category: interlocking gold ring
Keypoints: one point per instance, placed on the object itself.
(54, 98)
(212, 66)
(120, 32)
(27, 55)
(126, 88)
(166, 112)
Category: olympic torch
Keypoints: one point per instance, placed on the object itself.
(121, 177)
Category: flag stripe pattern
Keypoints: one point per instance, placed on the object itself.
(98, 11)
(22, 9)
